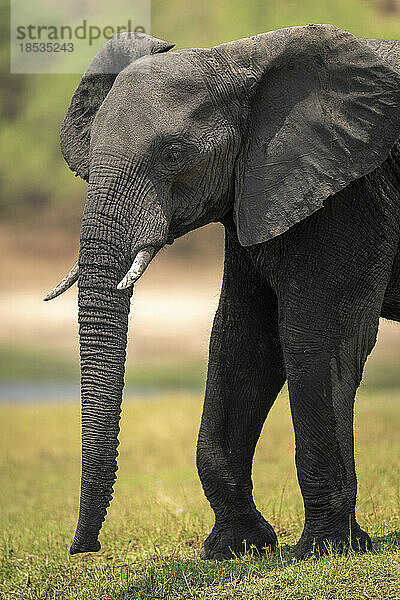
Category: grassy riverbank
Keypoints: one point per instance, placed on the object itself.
(159, 516)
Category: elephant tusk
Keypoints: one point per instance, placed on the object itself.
(139, 265)
(64, 284)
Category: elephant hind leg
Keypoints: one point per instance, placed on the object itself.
(332, 271)
(323, 376)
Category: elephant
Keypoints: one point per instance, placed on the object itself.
(290, 139)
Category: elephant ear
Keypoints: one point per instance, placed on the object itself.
(323, 110)
(94, 86)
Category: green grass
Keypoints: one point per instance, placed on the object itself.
(151, 537)
(21, 363)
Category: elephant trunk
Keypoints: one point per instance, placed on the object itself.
(104, 258)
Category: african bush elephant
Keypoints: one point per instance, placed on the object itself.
(290, 139)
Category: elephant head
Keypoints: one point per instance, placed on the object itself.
(265, 128)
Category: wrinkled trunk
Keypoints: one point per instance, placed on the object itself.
(103, 325)
(105, 256)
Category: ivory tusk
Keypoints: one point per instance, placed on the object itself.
(64, 284)
(139, 265)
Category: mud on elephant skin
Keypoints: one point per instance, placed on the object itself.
(288, 138)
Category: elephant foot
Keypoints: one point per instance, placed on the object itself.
(308, 545)
(246, 535)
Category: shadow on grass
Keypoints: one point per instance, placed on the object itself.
(387, 542)
(171, 576)
(167, 576)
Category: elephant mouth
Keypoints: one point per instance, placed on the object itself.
(139, 264)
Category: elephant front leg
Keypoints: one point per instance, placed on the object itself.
(245, 374)
(323, 375)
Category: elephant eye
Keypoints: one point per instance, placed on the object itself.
(172, 156)
(177, 157)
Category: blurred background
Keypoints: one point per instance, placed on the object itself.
(159, 515)
(41, 204)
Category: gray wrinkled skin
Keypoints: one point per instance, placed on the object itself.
(288, 138)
